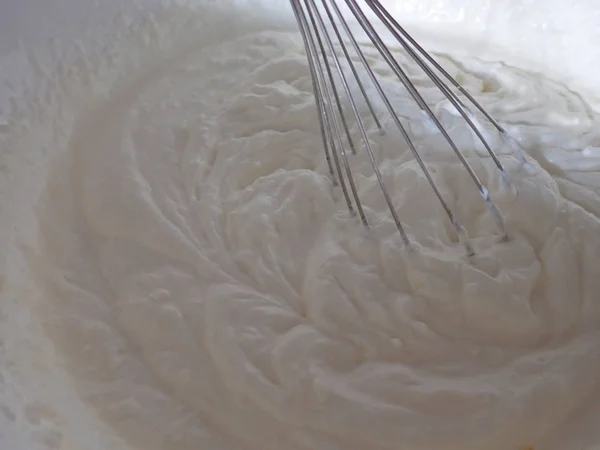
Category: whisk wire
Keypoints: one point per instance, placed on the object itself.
(322, 57)
(393, 26)
(328, 143)
(413, 91)
(330, 88)
(326, 112)
(453, 219)
(349, 60)
(360, 122)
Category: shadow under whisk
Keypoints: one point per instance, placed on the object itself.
(335, 57)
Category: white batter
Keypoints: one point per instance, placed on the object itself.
(189, 278)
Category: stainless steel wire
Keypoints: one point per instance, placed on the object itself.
(330, 45)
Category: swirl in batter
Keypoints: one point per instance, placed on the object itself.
(205, 287)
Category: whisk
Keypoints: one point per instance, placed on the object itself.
(324, 28)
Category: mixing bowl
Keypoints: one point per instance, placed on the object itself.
(553, 37)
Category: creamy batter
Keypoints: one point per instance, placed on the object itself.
(189, 278)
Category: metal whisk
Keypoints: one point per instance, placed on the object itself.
(324, 28)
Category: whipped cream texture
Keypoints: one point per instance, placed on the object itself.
(184, 275)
